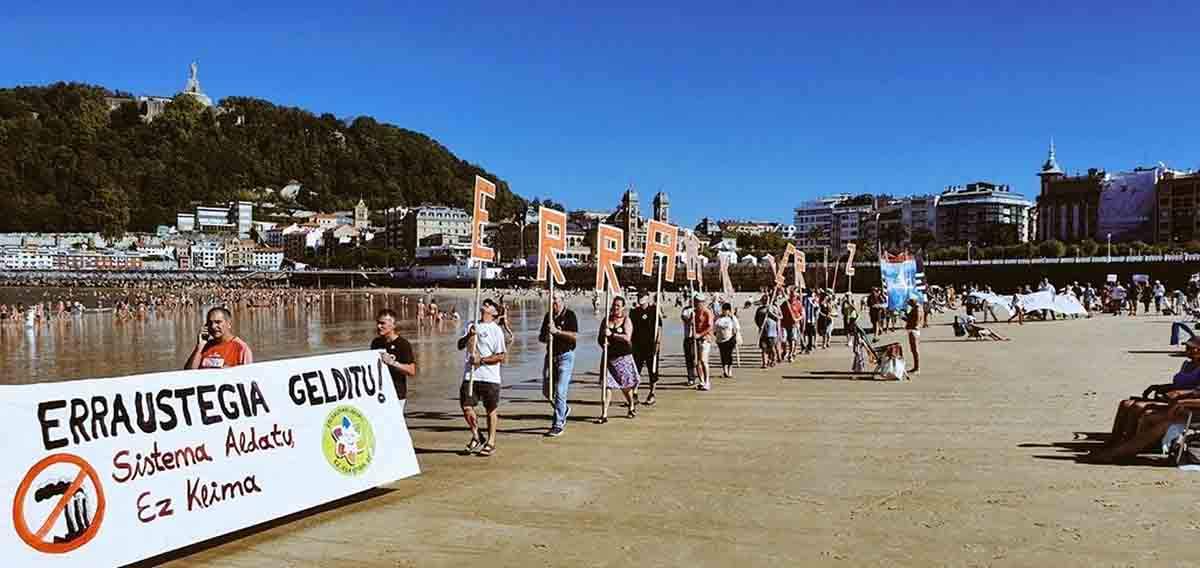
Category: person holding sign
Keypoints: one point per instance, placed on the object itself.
(397, 352)
(616, 333)
(483, 363)
(646, 339)
(563, 329)
(216, 346)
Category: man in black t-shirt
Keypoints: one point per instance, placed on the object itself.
(646, 338)
(397, 355)
(564, 329)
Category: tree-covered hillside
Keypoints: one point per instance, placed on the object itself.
(67, 163)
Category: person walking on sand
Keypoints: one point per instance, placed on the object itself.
(647, 328)
(616, 332)
(703, 331)
(728, 333)
(912, 323)
(484, 342)
(687, 316)
(564, 327)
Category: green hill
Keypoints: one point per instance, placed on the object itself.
(68, 163)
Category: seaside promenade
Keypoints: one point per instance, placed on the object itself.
(970, 464)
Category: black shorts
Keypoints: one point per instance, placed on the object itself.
(488, 393)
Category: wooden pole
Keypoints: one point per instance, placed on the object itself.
(604, 348)
(550, 338)
(658, 313)
(478, 284)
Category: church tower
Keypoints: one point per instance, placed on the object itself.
(662, 208)
(362, 215)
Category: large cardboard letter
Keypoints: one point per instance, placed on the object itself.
(484, 189)
(726, 283)
(610, 246)
(552, 239)
(850, 260)
(775, 272)
(796, 258)
(691, 255)
(661, 239)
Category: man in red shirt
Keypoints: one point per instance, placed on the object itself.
(793, 322)
(216, 346)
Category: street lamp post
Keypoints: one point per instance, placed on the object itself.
(1109, 238)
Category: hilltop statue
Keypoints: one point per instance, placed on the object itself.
(193, 86)
(193, 83)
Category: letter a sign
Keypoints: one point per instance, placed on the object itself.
(661, 239)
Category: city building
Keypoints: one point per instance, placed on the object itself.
(305, 241)
(1177, 216)
(207, 255)
(266, 258)
(853, 221)
(1068, 207)
(983, 214)
(428, 220)
(814, 222)
(235, 217)
(393, 227)
(26, 258)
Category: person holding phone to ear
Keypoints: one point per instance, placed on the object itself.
(216, 346)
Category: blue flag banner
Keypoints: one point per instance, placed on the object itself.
(902, 281)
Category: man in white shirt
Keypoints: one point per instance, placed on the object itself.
(484, 342)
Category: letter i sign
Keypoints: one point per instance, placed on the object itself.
(65, 507)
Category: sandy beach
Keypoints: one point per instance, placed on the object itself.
(968, 465)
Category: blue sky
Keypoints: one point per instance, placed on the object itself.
(735, 109)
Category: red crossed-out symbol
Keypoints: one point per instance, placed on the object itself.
(36, 539)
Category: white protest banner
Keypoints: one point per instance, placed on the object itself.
(105, 472)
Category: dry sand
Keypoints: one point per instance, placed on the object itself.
(968, 465)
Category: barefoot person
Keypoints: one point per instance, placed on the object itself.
(397, 352)
(216, 346)
(617, 332)
(564, 328)
(912, 323)
(483, 364)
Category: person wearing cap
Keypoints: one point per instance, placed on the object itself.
(703, 330)
(563, 327)
(647, 338)
(487, 352)
(1140, 422)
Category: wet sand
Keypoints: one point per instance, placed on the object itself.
(968, 465)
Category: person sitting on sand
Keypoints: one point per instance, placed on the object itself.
(1131, 412)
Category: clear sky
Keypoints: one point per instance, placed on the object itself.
(736, 109)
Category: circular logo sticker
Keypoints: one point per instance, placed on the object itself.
(349, 442)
